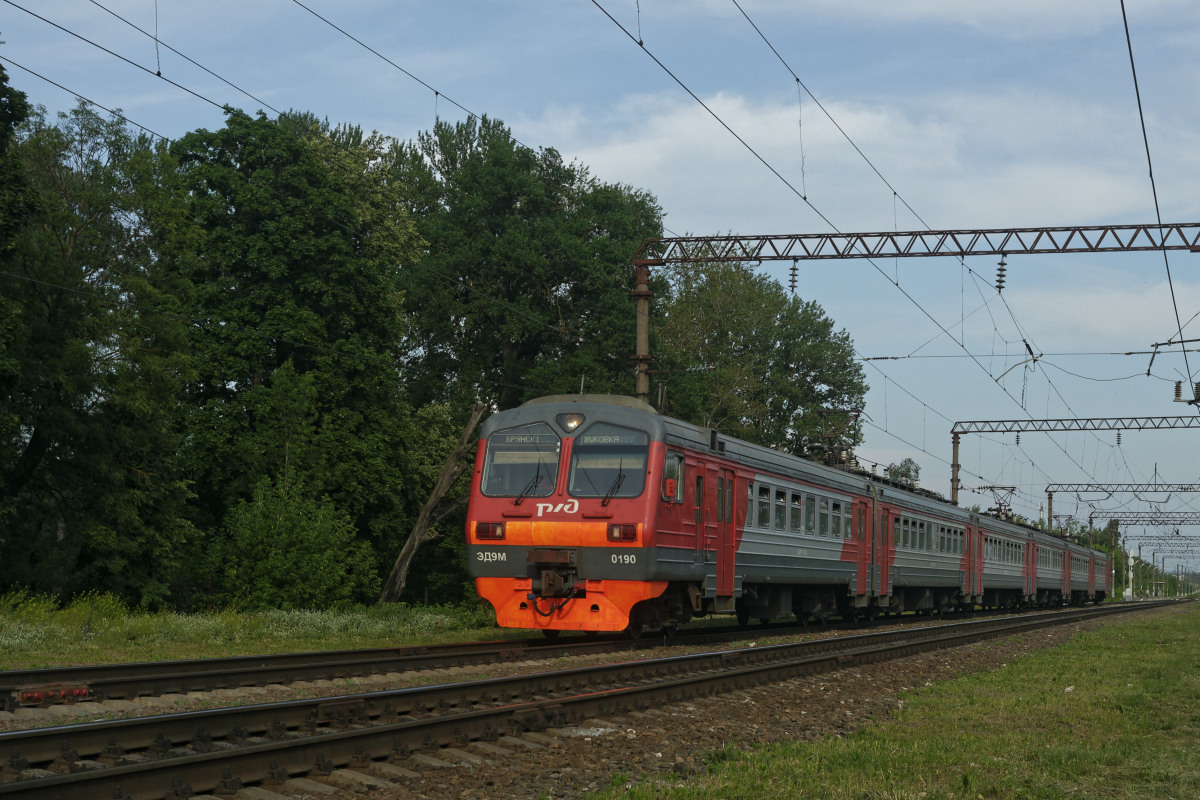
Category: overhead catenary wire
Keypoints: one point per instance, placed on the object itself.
(112, 112)
(1153, 187)
(420, 264)
(828, 115)
(896, 195)
(811, 205)
(115, 54)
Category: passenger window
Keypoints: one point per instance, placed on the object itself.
(810, 514)
(780, 510)
(836, 519)
(903, 532)
(795, 521)
(764, 506)
(823, 512)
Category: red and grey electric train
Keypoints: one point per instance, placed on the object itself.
(596, 513)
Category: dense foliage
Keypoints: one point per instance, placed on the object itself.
(232, 366)
(738, 353)
(523, 290)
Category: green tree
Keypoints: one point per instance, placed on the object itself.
(907, 471)
(18, 202)
(288, 549)
(296, 273)
(737, 353)
(91, 492)
(523, 288)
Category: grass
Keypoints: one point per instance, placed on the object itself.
(36, 632)
(1114, 715)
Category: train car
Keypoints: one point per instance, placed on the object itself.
(596, 513)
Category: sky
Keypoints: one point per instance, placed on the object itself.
(885, 116)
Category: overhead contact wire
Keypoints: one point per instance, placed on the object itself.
(1154, 190)
(807, 202)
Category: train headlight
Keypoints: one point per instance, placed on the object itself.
(626, 532)
(489, 530)
(570, 422)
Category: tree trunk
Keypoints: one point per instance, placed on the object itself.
(420, 534)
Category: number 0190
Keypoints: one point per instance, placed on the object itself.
(624, 558)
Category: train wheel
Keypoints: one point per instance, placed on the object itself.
(550, 633)
(634, 631)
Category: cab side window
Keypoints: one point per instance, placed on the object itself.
(673, 472)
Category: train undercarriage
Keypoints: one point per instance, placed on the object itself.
(818, 604)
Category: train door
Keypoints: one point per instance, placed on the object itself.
(864, 527)
(726, 537)
(881, 543)
(874, 557)
(1030, 568)
(974, 553)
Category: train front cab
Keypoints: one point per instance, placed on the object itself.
(559, 529)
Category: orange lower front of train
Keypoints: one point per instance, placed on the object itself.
(561, 574)
(602, 605)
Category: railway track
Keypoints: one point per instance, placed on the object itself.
(103, 682)
(76, 684)
(394, 733)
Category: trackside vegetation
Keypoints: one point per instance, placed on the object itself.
(36, 632)
(1113, 715)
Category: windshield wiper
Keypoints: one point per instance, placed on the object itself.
(529, 487)
(616, 484)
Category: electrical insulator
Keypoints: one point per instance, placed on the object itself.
(1000, 271)
(1178, 391)
(1118, 438)
(1018, 440)
(1196, 391)
(792, 277)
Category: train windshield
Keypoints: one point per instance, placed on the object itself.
(608, 461)
(521, 462)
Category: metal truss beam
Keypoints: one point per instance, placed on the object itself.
(886, 244)
(1142, 488)
(1098, 424)
(910, 244)
(1151, 517)
(1057, 425)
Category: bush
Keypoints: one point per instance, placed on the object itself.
(286, 550)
